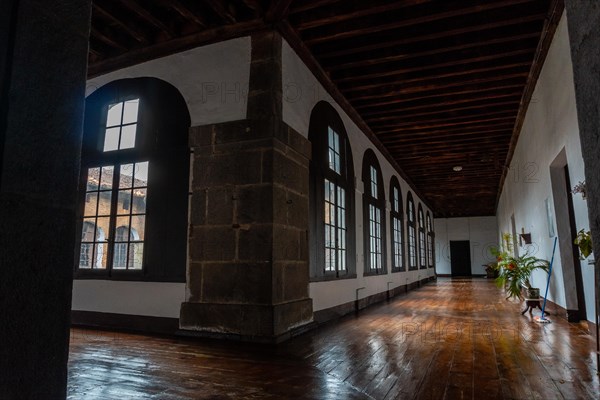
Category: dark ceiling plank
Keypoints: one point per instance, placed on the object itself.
(219, 7)
(127, 28)
(555, 12)
(254, 6)
(148, 17)
(355, 87)
(176, 45)
(277, 11)
(385, 134)
(302, 50)
(306, 5)
(184, 11)
(447, 106)
(477, 93)
(450, 137)
(398, 90)
(337, 50)
(348, 10)
(425, 125)
(333, 32)
(107, 40)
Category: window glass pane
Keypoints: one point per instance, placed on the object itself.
(126, 176)
(107, 178)
(91, 202)
(141, 174)
(93, 178)
(114, 115)
(138, 226)
(120, 256)
(138, 205)
(104, 203)
(100, 256)
(111, 139)
(136, 255)
(124, 202)
(128, 137)
(87, 229)
(102, 227)
(130, 115)
(85, 255)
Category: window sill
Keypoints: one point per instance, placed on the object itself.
(394, 270)
(132, 276)
(328, 278)
(374, 273)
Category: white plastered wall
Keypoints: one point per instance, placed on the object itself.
(550, 126)
(213, 80)
(481, 232)
(301, 92)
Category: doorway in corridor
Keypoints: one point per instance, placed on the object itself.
(460, 257)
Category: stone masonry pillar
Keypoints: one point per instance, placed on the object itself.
(43, 66)
(248, 271)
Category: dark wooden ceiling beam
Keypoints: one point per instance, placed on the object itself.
(278, 10)
(337, 50)
(348, 10)
(220, 8)
(107, 40)
(184, 11)
(424, 125)
(127, 28)
(148, 17)
(385, 135)
(350, 30)
(306, 5)
(512, 68)
(400, 89)
(477, 93)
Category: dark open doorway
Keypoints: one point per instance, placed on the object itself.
(460, 257)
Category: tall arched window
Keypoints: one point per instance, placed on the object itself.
(411, 224)
(422, 243)
(135, 169)
(331, 196)
(373, 214)
(430, 242)
(397, 226)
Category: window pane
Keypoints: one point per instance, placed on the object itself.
(87, 230)
(85, 255)
(130, 115)
(138, 225)
(128, 137)
(126, 176)
(93, 178)
(120, 256)
(114, 115)
(111, 139)
(124, 202)
(138, 205)
(107, 178)
(102, 227)
(136, 255)
(91, 202)
(100, 255)
(141, 174)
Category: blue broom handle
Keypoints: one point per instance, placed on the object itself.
(549, 275)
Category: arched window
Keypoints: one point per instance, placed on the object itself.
(412, 232)
(135, 169)
(430, 242)
(373, 214)
(422, 243)
(331, 196)
(397, 226)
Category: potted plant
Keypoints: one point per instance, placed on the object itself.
(514, 273)
(584, 241)
(491, 270)
(580, 188)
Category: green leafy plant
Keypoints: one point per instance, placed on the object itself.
(514, 272)
(584, 241)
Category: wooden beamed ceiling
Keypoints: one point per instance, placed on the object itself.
(434, 83)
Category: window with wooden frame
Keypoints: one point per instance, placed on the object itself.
(411, 224)
(134, 180)
(396, 226)
(430, 242)
(331, 197)
(373, 215)
(422, 242)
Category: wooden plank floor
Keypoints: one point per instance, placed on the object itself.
(448, 340)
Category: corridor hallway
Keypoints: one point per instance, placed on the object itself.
(451, 339)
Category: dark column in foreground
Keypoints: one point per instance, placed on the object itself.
(43, 64)
(248, 272)
(583, 19)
